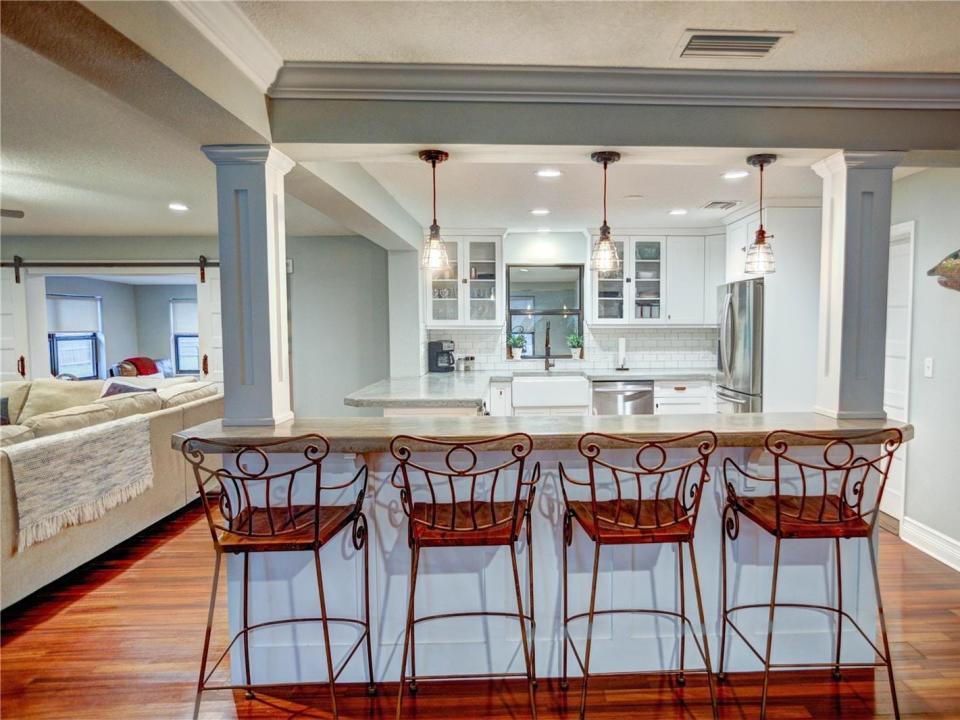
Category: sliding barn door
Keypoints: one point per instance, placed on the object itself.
(210, 326)
(14, 341)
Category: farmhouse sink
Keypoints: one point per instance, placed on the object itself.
(551, 391)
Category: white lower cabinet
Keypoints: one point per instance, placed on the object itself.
(501, 399)
(682, 397)
(552, 411)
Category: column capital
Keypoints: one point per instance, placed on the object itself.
(858, 159)
(249, 155)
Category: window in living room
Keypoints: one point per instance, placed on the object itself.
(73, 331)
(185, 337)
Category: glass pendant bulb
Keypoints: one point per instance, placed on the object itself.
(434, 251)
(604, 257)
(759, 260)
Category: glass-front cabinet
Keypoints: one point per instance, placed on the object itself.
(635, 292)
(468, 292)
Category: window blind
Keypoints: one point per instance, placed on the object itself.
(73, 314)
(183, 317)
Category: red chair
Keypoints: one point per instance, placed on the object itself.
(821, 489)
(254, 509)
(654, 500)
(452, 498)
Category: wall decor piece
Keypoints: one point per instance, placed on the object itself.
(947, 271)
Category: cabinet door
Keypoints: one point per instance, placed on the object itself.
(648, 271)
(501, 399)
(610, 290)
(714, 275)
(685, 280)
(482, 281)
(681, 405)
(443, 289)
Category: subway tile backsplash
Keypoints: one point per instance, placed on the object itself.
(648, 348)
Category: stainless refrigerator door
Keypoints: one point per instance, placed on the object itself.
(740, 353)
(733, 402)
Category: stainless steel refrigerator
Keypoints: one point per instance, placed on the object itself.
(740, 347)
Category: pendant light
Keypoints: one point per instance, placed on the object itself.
(760, 254)
(604, 256)
(434, 251)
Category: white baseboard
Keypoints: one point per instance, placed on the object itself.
(934, 543)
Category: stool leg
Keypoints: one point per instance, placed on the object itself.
(326, 632)
(723, 601)
(407, 633)
(883, 628)
(372, 687)
(681, 678)
(836, 667)
(703, 630)
(564, 682)
(586, 654)
(773, 605)
(533, 617)
(246, 624)
(206, 636)
(523, 630)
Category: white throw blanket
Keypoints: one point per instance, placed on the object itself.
(75, 477)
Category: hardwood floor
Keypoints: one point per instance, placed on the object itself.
(121, 638)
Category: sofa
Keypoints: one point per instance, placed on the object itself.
(42, 408)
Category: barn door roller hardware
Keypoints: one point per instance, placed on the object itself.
(201, 262)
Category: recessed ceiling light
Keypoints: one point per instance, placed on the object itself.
(678, 211)
(543, 229)
(178, 207)
(539, 211)
(548, 173)
(735, 174)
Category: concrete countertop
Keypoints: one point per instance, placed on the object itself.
(469, 389)
(549, 432)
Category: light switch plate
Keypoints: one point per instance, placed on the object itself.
(928, 367)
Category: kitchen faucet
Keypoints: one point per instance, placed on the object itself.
(547, 362)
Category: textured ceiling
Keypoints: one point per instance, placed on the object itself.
(851, 36)
(78, 161)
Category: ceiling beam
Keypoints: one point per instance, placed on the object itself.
(351, 196)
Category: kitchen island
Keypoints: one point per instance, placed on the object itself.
(459, 579)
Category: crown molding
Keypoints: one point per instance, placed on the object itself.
(618, 86)
(249, 155)
(228, 29)
(784, 202)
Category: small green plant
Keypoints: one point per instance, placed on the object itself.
(575, 341)
(516, 341)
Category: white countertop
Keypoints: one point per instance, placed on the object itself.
(469, 389)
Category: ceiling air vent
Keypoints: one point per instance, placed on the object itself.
(721, 204)
(723, 43)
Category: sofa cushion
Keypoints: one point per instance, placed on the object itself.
(15, 391)
(48, 395)
(181, 394)
(72, 418)
(148, 383)
(115, 388)
(132, 403)
(11, 434)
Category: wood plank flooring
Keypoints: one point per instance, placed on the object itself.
(121, 638)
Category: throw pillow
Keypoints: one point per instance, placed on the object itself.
(117, 388)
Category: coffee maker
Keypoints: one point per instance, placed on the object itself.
(440, 356)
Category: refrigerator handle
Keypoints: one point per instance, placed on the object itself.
(724, 315)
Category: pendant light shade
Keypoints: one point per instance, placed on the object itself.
(604, 256)
(760, 255)
(434, 251)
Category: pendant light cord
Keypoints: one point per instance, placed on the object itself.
(433, 164)
(761, 193)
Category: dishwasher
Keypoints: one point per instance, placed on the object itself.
(622, 397)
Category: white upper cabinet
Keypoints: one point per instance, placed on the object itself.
(685, 280)
(470, 291)
(611, 296)
(714, 275)
(648, 276)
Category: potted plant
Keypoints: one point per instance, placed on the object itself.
(516, 343)
(575, 343)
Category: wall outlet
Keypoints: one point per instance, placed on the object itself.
(928, 367)
(289, 266)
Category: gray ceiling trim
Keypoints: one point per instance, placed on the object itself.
(619, 86)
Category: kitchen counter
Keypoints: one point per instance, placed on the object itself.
(469, 389)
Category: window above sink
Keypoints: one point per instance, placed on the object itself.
(545, 303)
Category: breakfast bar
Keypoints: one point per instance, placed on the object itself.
(282, 584)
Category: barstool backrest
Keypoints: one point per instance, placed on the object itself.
(821, 480)
(482, 479)
(660, 488)
(250, 493)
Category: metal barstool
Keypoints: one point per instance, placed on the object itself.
(453, 499)
(822, 490)
(654, 500)
(256, 509)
